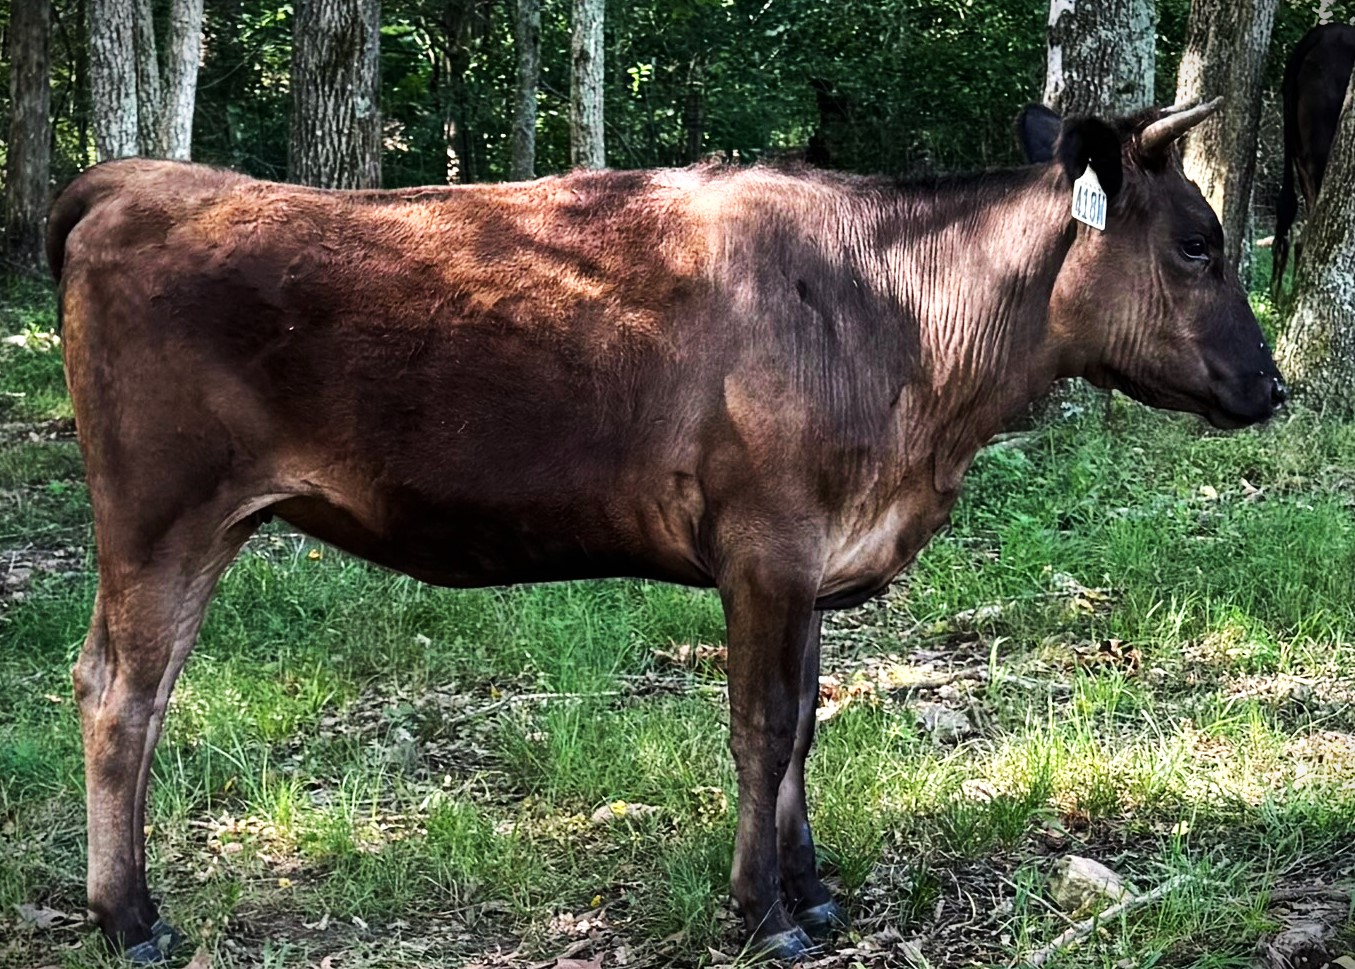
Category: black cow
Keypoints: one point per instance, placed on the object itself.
(1315, 82)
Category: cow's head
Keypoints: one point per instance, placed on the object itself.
(1150, 306)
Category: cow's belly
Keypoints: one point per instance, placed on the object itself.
(471, 546)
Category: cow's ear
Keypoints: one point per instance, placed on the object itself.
(1091, 141)
(1037, 130)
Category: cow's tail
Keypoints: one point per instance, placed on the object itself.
(70, 207)
(75, 202)
(1286, 210)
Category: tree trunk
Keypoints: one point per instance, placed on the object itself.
(694, 121)
(586, 144)
(460, 27)
(143, 102)
(29, 162)
(1101, 61)
(527, 42)
(183, 52)
(336, 117)
(1317, 351)
(113, 77)
(1101, 56)
(79, 60)
(147, 81)
(1226, 46)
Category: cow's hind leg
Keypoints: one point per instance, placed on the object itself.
(151, 600)
(804, 894)
(768, 612)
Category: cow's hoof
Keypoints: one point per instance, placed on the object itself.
(164, 939)
(788, 946)
(821, 921)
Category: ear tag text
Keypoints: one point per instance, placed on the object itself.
(1089, 200)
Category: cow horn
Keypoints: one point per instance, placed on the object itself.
(1175, 121)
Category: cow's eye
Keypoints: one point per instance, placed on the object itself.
(1194, 248)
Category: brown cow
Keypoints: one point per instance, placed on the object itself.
(766, 382)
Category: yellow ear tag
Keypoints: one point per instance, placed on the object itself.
(1089, 200)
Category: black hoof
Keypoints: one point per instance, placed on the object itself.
(821, 921)
(788, 946)
(164, 939)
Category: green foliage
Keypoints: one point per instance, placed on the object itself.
(879, 85)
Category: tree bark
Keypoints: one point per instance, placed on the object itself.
(1101, 56)
(1317, 352)
(336, 117)
(143, 101)
(147, 81)
(113, 77)
(183, 52)
(1226, 46)
(527, 42)
(28, 166)
(587, 147)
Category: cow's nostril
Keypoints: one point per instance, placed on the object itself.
(1279, 393)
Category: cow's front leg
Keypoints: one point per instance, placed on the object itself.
(768, 614)
(804, 894)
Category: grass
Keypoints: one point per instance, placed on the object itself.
(1144, 627)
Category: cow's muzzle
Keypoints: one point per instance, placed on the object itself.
(1279, 393)
(1248, 402)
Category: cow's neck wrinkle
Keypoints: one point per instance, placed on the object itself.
(975, 264)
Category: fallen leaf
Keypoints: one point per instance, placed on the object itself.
(593, 963)
(201, 960)
(689, 655)
(1310, 922)
(42, 917)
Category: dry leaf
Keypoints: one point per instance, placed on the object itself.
(42, 917)
(201, 960)
(593, 963)
(689, 655)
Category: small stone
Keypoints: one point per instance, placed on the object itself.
(1082, 885)
(946, 726)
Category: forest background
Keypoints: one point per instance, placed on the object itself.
(907, 86)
